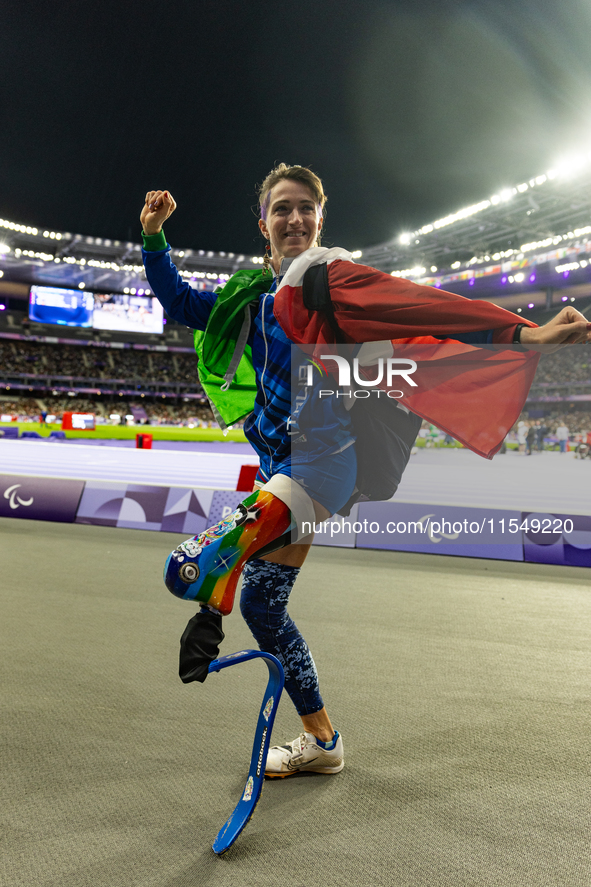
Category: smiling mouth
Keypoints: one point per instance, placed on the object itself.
(295, 234)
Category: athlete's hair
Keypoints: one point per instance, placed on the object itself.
(299, 174)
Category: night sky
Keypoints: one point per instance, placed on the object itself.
(406, 110)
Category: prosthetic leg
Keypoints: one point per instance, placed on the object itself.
(260, 749)
(206, 568)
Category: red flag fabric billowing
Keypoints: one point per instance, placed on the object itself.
(475, 394)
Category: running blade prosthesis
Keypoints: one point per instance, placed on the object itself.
(206, 568)
(253, 787)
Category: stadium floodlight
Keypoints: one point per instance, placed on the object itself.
(405, 238)
(462, 214)
(568, 266)
(506, 194)
(81, 285)
(356, 254)
(409, 272)
(13, 226)
(570, 165)
(4, 248)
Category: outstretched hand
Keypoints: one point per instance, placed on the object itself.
(569, 327)
(158, 207)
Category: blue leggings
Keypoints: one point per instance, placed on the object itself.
(266, 586)
(265, 592)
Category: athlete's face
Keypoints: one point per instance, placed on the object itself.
(293, 220)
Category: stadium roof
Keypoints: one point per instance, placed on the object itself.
(549, 212)
(545, 211)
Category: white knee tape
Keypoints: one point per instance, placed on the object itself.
(297, 500)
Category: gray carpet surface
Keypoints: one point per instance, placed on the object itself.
(462, 689)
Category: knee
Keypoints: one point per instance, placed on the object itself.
(265, 594)
(262, 610)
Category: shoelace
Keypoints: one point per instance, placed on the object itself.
(298, 745)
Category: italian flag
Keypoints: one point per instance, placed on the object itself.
(472, 392)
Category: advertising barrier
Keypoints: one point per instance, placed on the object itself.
(440, 529)
(40, 498)
(557, 539)
(143, 507)
(78, 422)
(390, 526)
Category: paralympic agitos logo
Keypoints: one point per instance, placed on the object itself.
(352, 373)
(14, 500)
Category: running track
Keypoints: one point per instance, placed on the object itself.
(542, 482)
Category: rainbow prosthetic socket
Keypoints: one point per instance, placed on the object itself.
(206, 568)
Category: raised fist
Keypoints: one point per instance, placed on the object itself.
(158, 207)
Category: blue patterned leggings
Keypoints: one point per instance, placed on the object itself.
(265, 592)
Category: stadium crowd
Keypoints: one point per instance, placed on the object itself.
(565, 373)
(96, 362)
(195, 414)
(29, 409)
(568, 365)
(545, 430)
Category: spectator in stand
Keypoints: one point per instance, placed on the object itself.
(562, 435)
(530, 440)
(522, 431)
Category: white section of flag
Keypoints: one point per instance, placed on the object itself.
(316, 255)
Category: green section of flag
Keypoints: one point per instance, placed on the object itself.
(216, 345)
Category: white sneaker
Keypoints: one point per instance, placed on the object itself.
(304, 754)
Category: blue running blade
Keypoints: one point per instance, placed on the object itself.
(260, 749)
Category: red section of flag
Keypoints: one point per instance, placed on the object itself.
(475, 394)
(370, 306)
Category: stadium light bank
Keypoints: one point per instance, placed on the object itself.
(568, 167)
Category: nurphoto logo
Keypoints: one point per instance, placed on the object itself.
(353, 372)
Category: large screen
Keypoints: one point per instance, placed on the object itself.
(48, 304)
(127, 313)
(132, 314)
